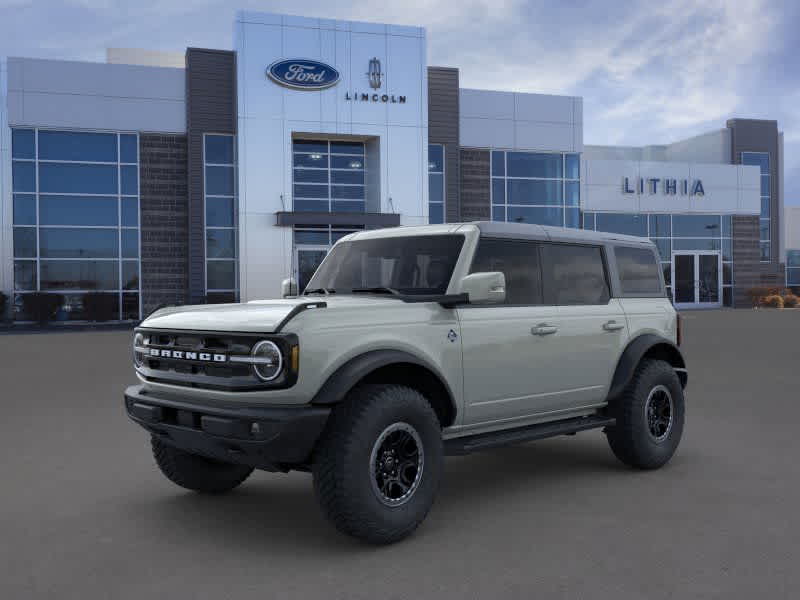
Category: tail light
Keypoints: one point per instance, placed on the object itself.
(679, 333)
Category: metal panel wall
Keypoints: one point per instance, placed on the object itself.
(443, 128)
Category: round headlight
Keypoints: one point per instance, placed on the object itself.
(268, 361)
(138, 342)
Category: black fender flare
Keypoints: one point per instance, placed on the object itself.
(647, 343)
(349, 374)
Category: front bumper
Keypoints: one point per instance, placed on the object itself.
(273, 438)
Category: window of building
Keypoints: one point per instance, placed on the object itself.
(311, 245)
(761, 160)
(219, 158)
(793, 268)
(328, 176)
(76, 219)
(518, 261)
(536, 187)
(573, 274)
(638, 271)
(436, 183)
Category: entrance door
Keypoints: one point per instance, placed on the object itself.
(697, 279)
(307, 260)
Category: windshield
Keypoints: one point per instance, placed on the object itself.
(403, 265)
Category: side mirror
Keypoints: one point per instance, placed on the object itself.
(288, 287)
(485, 288)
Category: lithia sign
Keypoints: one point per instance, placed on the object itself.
(667, 186)
(306, 74)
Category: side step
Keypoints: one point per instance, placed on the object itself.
(482, 441)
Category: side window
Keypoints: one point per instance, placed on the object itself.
(638, 271)
(574, 275)
(518, 261)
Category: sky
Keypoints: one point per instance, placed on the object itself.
(649, 72)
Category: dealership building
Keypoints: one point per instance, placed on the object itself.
(212, 175)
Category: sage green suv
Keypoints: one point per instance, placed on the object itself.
(409, 344)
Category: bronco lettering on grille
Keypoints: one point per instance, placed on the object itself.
(180, 354)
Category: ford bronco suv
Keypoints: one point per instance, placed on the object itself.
(409, 344)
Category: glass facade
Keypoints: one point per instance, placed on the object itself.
(793, 268)
(536, 187)
(435, 183)
(761, 160)
(76, 220)
(673, 233)
(311, 245)
(219, 159)
(328, 176)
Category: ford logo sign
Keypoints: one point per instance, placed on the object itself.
(303, 74)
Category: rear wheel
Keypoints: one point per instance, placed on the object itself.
(195, 472)
(378, 464)
(650, 416)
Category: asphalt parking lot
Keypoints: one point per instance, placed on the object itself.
(85, 514)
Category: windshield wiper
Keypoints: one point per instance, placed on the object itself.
(376, 290)
(322, 290)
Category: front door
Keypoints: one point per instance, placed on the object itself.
(307, 261)
(697, 279)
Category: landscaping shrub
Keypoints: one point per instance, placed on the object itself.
(98, 306)
(41, 306)
(773, 301)
(790, 301)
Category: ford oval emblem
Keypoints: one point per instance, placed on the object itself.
(303, 74)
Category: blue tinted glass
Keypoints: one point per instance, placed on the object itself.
(356, 177)
(727, 249)
(320, 161)
(130, 212)
(314, 175)
(436, 213)
(78, 243)
(573, 166)
(219, 212)
(793, 277)
(347, 148)
(130, 275)
(347, 192)
(74, 145)
(77, 210)
(793, 258)
(219, 149)
(220, 243)
(759, 159)
(130, 243)
(572, 189)
(498, 213)
(525, 191)
(588, 221)
(664, 248)
(24, 209)
(25, 242)
(129, 180)
(696, 226)
(309, 146)
(77, 179)
(727, 227)
(765, 207)
(628, 224)
(316, 238)
(572, 218)
(337, 162)
(23, 176)
(348, 206)
(765, 185)
(696, 244)
(764, 229)
(660, 226)
(128, 149)
(766, 251)
(498, 163)
(337, 235)
(310, 191)
(80, 275)
(436, 187)
(530, 164)
(23, 144)
(435, 158)
(24, 275)
(498, 191)
(538, 215)
(221, 274)
(219, 181)
(311, 205)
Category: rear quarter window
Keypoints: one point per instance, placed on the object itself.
(574, 274)
(638, 271)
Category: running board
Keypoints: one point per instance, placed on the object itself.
(483, 441)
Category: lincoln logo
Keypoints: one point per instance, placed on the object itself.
(374, 74)
(301, 74)
(184, 355)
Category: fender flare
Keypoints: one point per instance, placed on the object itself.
(633, 354)
(349, 374)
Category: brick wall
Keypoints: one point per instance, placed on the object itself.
(165, 232)
(475, 199)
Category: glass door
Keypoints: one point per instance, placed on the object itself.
(696, 279)
(307, 261)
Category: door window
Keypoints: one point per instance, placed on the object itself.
(519, 262)
(573, 274)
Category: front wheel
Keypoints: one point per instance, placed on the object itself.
(650, 415)
(378, 464)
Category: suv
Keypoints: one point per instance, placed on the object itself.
(409, 344)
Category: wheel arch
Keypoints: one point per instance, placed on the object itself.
(643, 347)
(391, 366)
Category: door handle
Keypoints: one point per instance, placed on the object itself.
(544, 329)
(613, 326)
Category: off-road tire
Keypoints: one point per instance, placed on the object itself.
(195, 472)
(630, 438)
(343, 465)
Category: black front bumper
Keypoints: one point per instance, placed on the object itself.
(269, 438)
